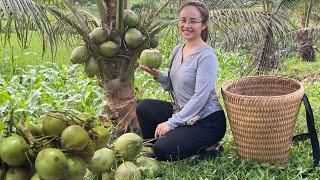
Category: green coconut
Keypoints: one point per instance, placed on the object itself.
(133, 38)
(36, 177)
(51, 164)
(102, 161)
(103, 136)
(74, 137)
(151, 58)
(52, 125)
(88, 152)
(108, 49)
(128, 145)
(17, 173)
(91, 67)
(131, 19)
(149, 167)
(98, 35)
(13, 150)
(127, 170)
(79, 55)
(77, 168)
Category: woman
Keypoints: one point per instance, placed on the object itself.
(198, 121)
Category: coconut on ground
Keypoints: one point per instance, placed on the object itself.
(128, 145)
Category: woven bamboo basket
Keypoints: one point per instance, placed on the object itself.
(262, 112)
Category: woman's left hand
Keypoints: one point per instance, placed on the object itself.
(161, 129)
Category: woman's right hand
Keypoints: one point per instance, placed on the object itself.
(151, 71)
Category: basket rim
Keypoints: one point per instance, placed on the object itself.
(300, 90)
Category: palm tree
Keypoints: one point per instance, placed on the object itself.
(116, 74)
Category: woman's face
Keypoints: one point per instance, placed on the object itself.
(190, 23)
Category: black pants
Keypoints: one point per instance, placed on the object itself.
(183, 141)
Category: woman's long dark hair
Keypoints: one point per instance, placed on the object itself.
(202, 8)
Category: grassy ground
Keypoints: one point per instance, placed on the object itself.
(226, 166)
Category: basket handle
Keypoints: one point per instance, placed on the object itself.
(312, 132)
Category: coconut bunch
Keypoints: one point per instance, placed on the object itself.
(136, 36)
(57, 148)
(122, 160)
(69, 146)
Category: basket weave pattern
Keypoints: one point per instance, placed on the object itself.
(262, 112)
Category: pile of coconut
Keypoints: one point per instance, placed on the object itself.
(72, 147)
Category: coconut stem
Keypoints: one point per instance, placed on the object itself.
(128, 75)
(119, 17)
(94, 49)
(76, 14)
(102, 12)
(26, 133)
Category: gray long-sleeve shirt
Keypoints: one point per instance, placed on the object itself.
(193, 81)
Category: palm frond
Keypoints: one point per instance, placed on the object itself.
(79, 29)
(299, 6)
(245, 25)
(56, 3)
(67, 33)
(26, 15)
(288, 5)
(222, 4)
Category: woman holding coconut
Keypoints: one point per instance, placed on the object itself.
(197, 120)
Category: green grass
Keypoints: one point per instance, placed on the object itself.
(40, 87)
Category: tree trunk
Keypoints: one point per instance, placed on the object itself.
(307, 51)
(121, 104)
(267, 63)
(264, 53)
(116, 75)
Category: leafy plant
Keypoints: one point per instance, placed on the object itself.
(38, 90)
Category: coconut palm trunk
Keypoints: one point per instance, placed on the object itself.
(307, 51)
(267, 63)
(264, 59)
(119, 91)
(120, 104)
(116, 74)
